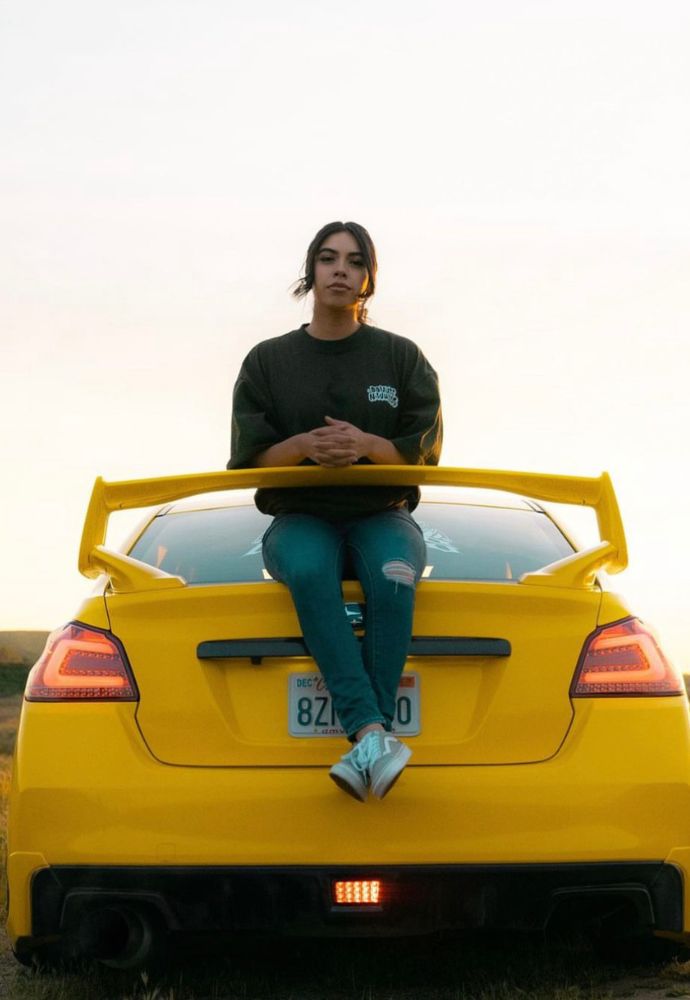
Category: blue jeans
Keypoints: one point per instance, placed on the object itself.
(388, 554)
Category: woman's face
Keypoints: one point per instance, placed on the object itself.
(340, 275)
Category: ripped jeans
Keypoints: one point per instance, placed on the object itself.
(387, 553)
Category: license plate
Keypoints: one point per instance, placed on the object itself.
(311, 712)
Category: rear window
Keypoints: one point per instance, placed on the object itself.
(223, 545)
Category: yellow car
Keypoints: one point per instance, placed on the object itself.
(171, 768)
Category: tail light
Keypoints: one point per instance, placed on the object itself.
(624, 659)
(81, 664)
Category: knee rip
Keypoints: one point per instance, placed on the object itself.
(399, 571)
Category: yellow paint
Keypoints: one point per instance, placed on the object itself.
(604, 797)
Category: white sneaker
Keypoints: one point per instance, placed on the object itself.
(375, 763)
(388, 763)
(351, 773)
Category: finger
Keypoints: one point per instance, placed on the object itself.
(335, 463)
(333, 437)
(333, 451)
(340, 463)
(337, 460)
(327, 432)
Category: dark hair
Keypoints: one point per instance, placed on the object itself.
(366, 247)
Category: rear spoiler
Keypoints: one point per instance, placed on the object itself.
(577, 570)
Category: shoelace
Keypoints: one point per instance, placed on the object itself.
(364, 753)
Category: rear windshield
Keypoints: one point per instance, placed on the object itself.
(223, 545)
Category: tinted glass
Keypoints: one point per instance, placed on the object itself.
(223, 545)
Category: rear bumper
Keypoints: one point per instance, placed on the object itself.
(298, 900)
(605, 804)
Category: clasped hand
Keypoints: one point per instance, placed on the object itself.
(336, 444)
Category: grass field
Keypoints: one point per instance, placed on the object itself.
(21, 646)
(499, 967)
(12, 680)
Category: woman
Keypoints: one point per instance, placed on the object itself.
(338, 392)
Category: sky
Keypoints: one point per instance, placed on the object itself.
(522, 166)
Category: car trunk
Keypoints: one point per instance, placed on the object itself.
(477, 706)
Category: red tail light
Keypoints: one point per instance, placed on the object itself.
(624, 659)
(81, 664)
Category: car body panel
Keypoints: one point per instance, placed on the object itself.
(233, 713)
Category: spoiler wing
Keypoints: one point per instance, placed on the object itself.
(577, 570)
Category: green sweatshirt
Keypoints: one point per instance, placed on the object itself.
(378, 381)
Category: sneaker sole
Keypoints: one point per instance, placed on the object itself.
(341, 780)
(390, 773)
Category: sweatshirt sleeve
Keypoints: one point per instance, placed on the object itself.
(252, 428)
(421, 424)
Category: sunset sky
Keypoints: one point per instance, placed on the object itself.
(522, 165)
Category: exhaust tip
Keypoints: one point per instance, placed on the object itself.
(119, 936)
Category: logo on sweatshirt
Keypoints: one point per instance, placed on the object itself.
(383, 394)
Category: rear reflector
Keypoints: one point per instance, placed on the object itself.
(624, 659)
(81, 664)
(355, 893)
